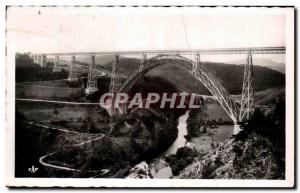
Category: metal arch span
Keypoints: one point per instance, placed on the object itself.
(200, 73)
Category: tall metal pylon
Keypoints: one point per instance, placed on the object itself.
(196, 63)
(195, 68)
(92, 78)
(35, 58)
(40, 58)
(114, 80)
(247, 101)
(72, 73)
(56, 67)
(43, 61)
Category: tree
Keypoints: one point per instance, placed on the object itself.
(204, 128)
(220, 122)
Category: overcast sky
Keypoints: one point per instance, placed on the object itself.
(68, 29)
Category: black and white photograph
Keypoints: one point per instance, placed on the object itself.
(150, 96)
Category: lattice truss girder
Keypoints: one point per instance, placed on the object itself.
(92, 79)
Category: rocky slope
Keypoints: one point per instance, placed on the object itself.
(251, 159)
(140, 171)
(258, 152)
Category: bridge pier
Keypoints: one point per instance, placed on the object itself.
(196, 63)
(91, 87)
(114, 80)
(34, 58)
(114, 85)
(90, 91)
(247, 101)
(236, 129)
(39, 60)
(43, 61)
(56, 67)
(72, 75)
(143, 62)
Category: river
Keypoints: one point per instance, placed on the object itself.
(180, 141)
(205, 143)
(158, 167)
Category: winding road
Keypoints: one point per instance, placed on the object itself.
(42, 160)
(59, 102)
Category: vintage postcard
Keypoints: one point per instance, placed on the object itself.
(150, 96)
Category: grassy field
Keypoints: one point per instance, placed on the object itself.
(55, 90)
(81, 118)
(206, 142)
(203, 143)
(215, 111)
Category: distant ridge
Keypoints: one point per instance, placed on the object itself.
(280, 67)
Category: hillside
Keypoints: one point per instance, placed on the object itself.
(105, 62)
(126, 66)
(280, 67)
(252, 159)
(100, 59)
(231, 76)
(258, 152)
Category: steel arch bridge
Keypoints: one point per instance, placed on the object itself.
(238, 110)
(199, 72)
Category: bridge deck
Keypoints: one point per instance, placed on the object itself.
(254, 50)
